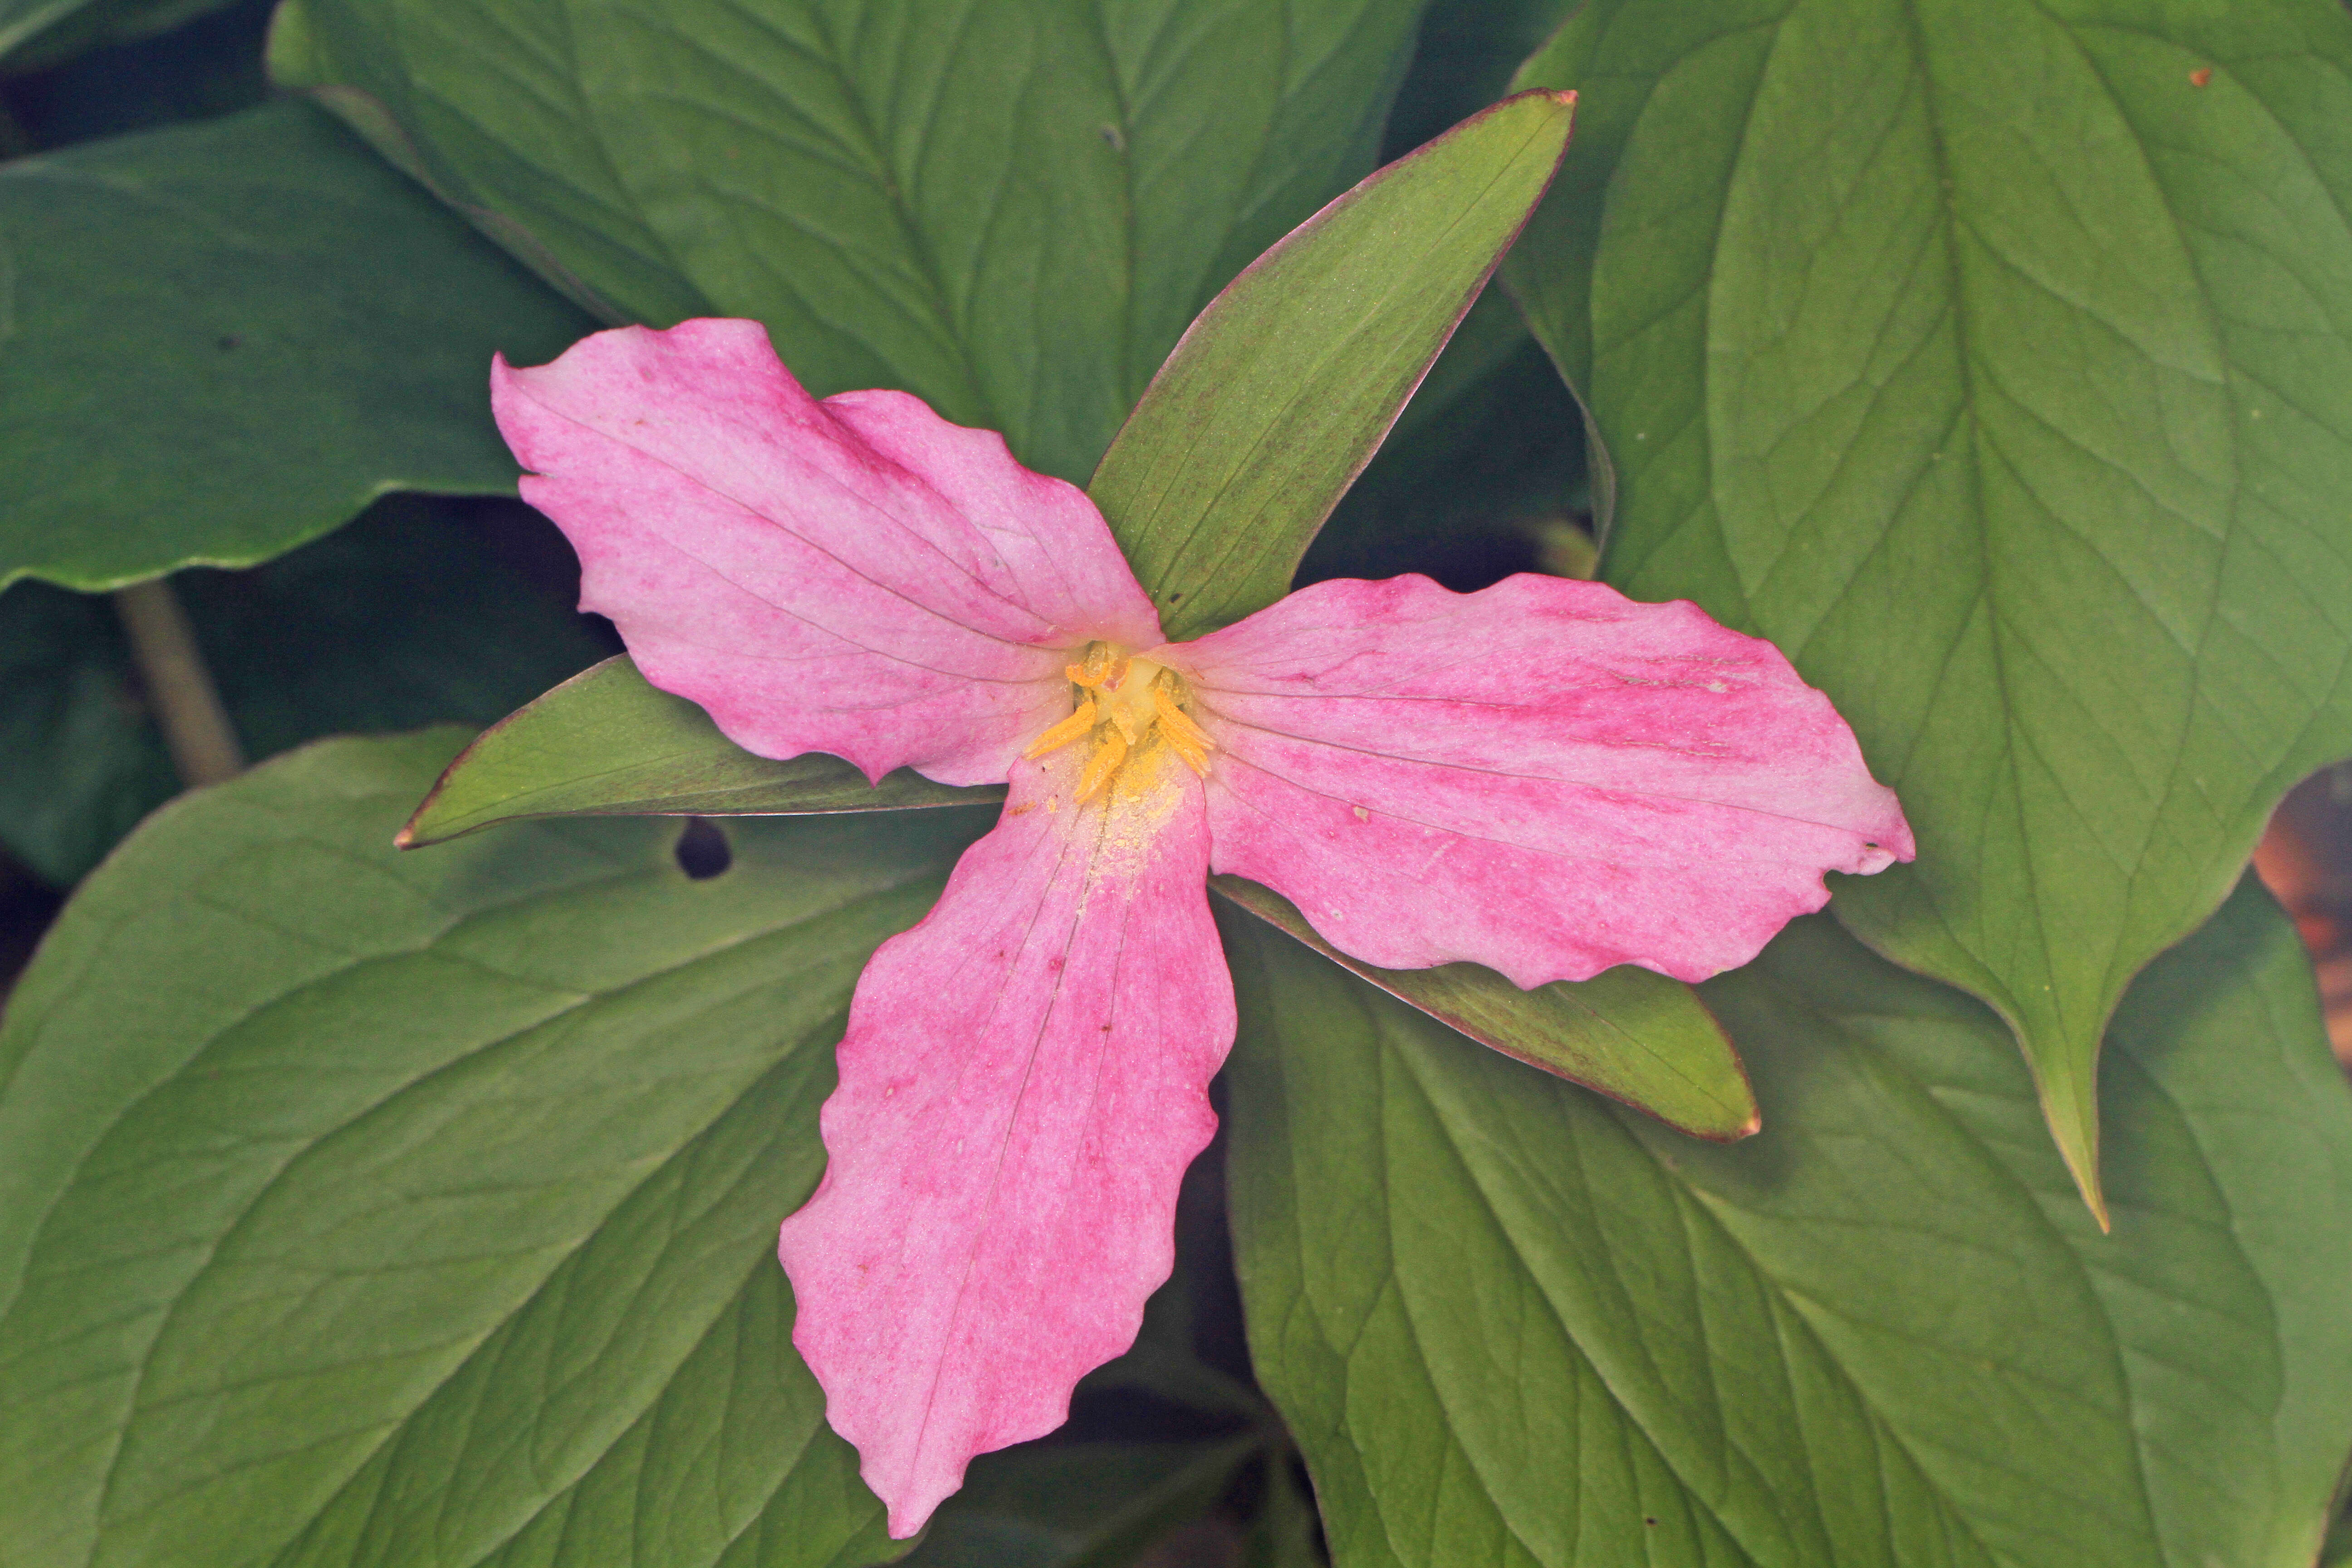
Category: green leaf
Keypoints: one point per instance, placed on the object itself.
(227, 339)
(364, 1207)
(1485, 464)
(604, 743)
(1168, 1361)
(36, 34)
(2338, 1552)
(1467, 54)
(1077, 1505)
(403, 618)
(1008, 207)
(1284, 1533)
(2001, 373)
(1509, 1323)
(80, 761)
(1482, 476)
(1634, 1036)
(24, 19)
(1281, 392)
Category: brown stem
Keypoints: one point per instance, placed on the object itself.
(180, 689)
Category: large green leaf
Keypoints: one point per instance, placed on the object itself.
(1994, 360)
(1512, 1324)
(363, 1207)
(1009, 207)
(403, 618)
(226, 339)
(605, 743)
(1283, 389)
(1635, 1036)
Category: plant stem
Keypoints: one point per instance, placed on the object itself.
(180, 689)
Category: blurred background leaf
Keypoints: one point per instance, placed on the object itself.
(407, 617)
(229, 338)
(37, 35)
(1092, 1505)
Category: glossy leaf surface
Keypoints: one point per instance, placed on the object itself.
(1282, 390)
(604, 743)
(1511, 1324)
(1995, 360)
(421, 1209)
(1632, 1035)
(1010, 209)
(226, 339)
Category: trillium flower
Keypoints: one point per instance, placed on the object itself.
(1542, 777)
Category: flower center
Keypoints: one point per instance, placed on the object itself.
(1122, 706)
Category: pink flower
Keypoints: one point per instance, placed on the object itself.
(1542, 777)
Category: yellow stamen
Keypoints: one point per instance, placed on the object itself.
(1095, 670)
(1111, 753)
(1191, 741)
(1123, 704)
(1070, 729)
(1185, 738)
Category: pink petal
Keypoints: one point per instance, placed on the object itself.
(1543, 777)
(856, 576)
(1024, 1079)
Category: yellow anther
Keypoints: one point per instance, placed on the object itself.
(1096, 669)
(1177, 722)
(1070, 729)
(1123, 704)
(1195, 758)
(1111, 753)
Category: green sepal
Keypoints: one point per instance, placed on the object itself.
(605, 743)
(1282, 389)
(1632, 1035)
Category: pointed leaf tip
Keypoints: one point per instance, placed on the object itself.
(1952, 522)
(1284, 387)
(1638, 1038)
(607, 744)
